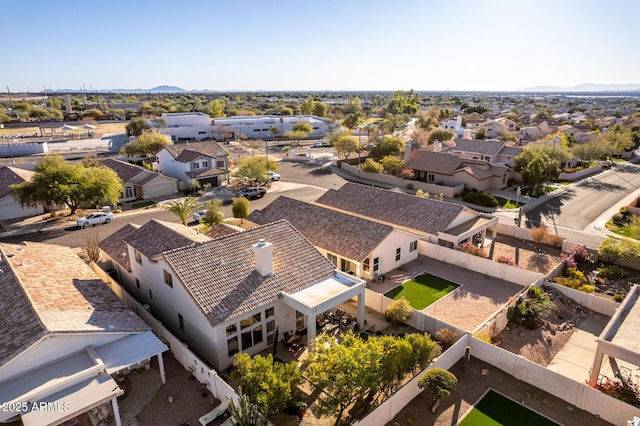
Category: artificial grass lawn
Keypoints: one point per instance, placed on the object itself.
(495, 409)
(507, 204)
(422, 290)
(623, 230)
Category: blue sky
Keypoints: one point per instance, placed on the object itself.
(304, 45)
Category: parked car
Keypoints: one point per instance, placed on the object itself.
(200, 214)
(251, 192)
(95, 219)
(316, 145)
(273, 175)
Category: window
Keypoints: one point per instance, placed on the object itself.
(398, 251)
(138, 283)
(269, 312)
(376, 264)
(220, 164)
(232, 329)
(202, 133)
(129, 192)
(247, 322)
(271, 332)
(345, 265)
(205, 164)
(257, 130)
(431, 177)
(413, 246)
(150, 294)
(181, 323)
(333, 259)
(232, 346)
(365, 265)
(138, 256)
(168, 279)
(196, 166)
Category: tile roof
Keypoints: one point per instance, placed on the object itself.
(220, 275)
(155, 237)
(222, 229)
(49, 289)
(487, 147)
(340, 233)
(209, 172)
(409, 211)
(11, 176)
(511, 150)
(125, 171)
(114, 245)
(185, 152)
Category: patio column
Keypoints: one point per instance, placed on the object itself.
(361, 310)
(116, 411)
(311, 330)
(163, 377)
(597, 364)
(494, 232)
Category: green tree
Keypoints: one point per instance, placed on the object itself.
(440, 382)
(396, 362)
(4, 118)
(57, 181)
(353, 120)
(441, 135)
(93, 113)
(270, 385)
(275, 132)
(320, 109)
(303, 127)
(480, 134)
(213, 213)
(55, 103)
(345, 145)
(256, 167)
(344, 372)
(389, 145)
(182, 208)
(216, 108)
(332, 137)
(404, 104)
(136, 126)
(392, 165)
(148, 143)
(399, 311)
(536, 167)
(612, 249)
(37, 112)
(240, 208)
(507, 137)
(372, 166)
(307, 107)
(424, 350)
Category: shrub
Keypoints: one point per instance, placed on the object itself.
(618, 219)
(506, 260)
(621, 389)
(399, 311)
(472, 249)
(407, 173)
(612, 272)
(539, 233)
(408, 422)
(569, 282)
(372, 166)
(447, 336)
(484, 337)
(409, 186)
(618, 297)
(480, 198)
(439, 381)
(575, 274)
(586, 288)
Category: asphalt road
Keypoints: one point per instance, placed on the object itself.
(311, 183)
(580, 205)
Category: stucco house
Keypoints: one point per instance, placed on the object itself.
(233, 293)
(10, 208)
(140, 183)
(444, 168)
(493, 151)
(206, 162)
(353, 244)
(438, 222)
(63, 335)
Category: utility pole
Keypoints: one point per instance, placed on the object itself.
(10, 100)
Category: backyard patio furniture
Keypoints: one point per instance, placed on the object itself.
(215, 413)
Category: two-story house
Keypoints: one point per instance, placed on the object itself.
(493, 151)
(206, 162)
(233, 293)
(353, 244)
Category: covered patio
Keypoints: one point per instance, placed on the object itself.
(325, 296)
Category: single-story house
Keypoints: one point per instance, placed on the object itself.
(353, 244)
(140, 183)
(438, 222)
(63, 335)
(10, 207)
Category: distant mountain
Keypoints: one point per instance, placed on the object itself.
(587, 87)
(167, 89)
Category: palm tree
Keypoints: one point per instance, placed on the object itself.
(182, 208)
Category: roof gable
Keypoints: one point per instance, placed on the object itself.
(220, 275)
(114, 245)
(12, 176)
(409, 211)
(186, 152)
(125, 171)
(340, 233)
(155, 237)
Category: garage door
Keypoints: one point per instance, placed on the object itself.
(160, 189)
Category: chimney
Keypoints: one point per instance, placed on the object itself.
(466, 134)
(407, 152)
(264, 257)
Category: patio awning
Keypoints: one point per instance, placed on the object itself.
(129, 350)
(326, 294)
(71, 402)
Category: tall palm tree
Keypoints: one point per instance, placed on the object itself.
(182, 208)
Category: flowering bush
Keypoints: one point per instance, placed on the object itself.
(622, 389)
(472, 249)
(506, 259)
(575, 256)
(407, 173)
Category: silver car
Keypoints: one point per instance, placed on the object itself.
(95, 219)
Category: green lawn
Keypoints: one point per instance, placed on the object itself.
(422, 290)
(143, 204)
(624, 230)
(563, 182)
(507, 204)
(495, 409)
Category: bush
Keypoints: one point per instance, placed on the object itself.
(618, 219)
(539, 233)
(575, 274)
(612, 272)
(569, 282)
(618, 297)
(399, 311)
(472, 249)
(480, 198)
(506, 260)
(447, 336)
(586, 288)
(371, 166)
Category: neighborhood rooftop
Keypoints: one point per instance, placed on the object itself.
(53, 291)
(11, 176)
(156, 236)
(116, 247)
(220, 275)
(448, 164)
(404, 210)
(185, 152)
(340, 233)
